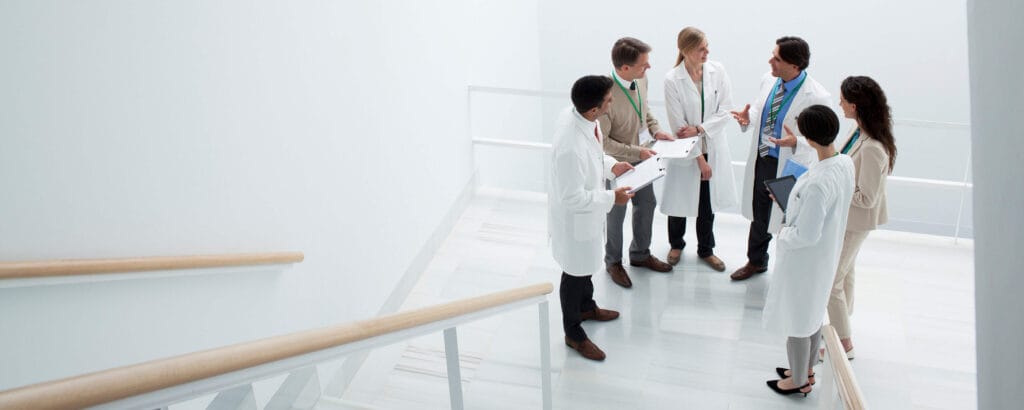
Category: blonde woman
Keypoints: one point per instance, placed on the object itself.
(698, 96)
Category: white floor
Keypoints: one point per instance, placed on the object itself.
(687, 339)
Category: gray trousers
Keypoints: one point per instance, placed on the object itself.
(803, 355)
(644, 203)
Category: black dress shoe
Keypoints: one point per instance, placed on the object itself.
(781, 371)
(774, 385)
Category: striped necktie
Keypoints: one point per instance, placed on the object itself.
(762, 149)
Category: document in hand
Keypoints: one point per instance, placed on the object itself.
(793, 168)
(675, 149)
(642, 175)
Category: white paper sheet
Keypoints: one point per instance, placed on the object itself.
(675, 149)
(642, 175)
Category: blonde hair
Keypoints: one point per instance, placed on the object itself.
(689, 39)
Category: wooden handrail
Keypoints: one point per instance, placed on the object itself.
(133, 380)
(849, 390)
(69, 267)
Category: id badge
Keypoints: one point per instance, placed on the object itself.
(645, 136)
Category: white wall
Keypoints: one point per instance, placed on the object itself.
(915, 49)
(159, 128)
(996, 90)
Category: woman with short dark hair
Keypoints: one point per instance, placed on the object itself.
(808, 249)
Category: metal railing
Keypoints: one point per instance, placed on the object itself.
(964, 185)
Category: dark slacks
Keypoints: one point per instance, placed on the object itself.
(765, 168)
(705, 224)
(577, 296)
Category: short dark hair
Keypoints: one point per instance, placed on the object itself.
(819, 124)
(589, 92)
(794, 50)
(627, 50)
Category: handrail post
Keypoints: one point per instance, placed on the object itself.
(545, 355)
(827, 398)
(451, 353)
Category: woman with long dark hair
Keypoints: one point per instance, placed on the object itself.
(873, 150)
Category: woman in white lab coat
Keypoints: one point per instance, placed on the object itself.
(577, 204)
(698, 97)
(808, 249)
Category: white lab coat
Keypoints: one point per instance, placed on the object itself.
(577, 197)
(681, 193)
(810, 93)
(808, 248)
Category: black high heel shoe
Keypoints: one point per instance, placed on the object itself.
(781, 371)
(774, 385)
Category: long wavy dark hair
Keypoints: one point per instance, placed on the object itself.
(872, 110)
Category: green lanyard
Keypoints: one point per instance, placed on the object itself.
(772, 116)
(853, 139)
(637, 108)
(702, 93)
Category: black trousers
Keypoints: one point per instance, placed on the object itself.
(577, 296)
(705, 224)
(765, 168)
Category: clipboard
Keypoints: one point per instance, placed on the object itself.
(679, 148)
(642, 175)
(780, 188)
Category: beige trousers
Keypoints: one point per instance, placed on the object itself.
(840, 302)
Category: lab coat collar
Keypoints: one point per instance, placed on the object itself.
(586, 126)
(827, 162)
(681, 70)
(684, 76)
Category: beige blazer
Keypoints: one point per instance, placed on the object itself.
(871, 161)
(621, 126)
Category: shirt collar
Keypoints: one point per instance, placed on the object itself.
(627, 84)
(792, 83)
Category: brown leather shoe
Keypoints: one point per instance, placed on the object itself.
(747, 271)
(619, 275)
(714, 263)
(586, 348)
(652, 263)
(674, 255)
(600, 315)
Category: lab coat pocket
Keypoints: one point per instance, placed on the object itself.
(586, 225)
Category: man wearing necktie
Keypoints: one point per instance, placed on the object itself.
(629, 127)
(785, 92)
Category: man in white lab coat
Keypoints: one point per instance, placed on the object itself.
(785, 92)
(808, 247)
(577, 204)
